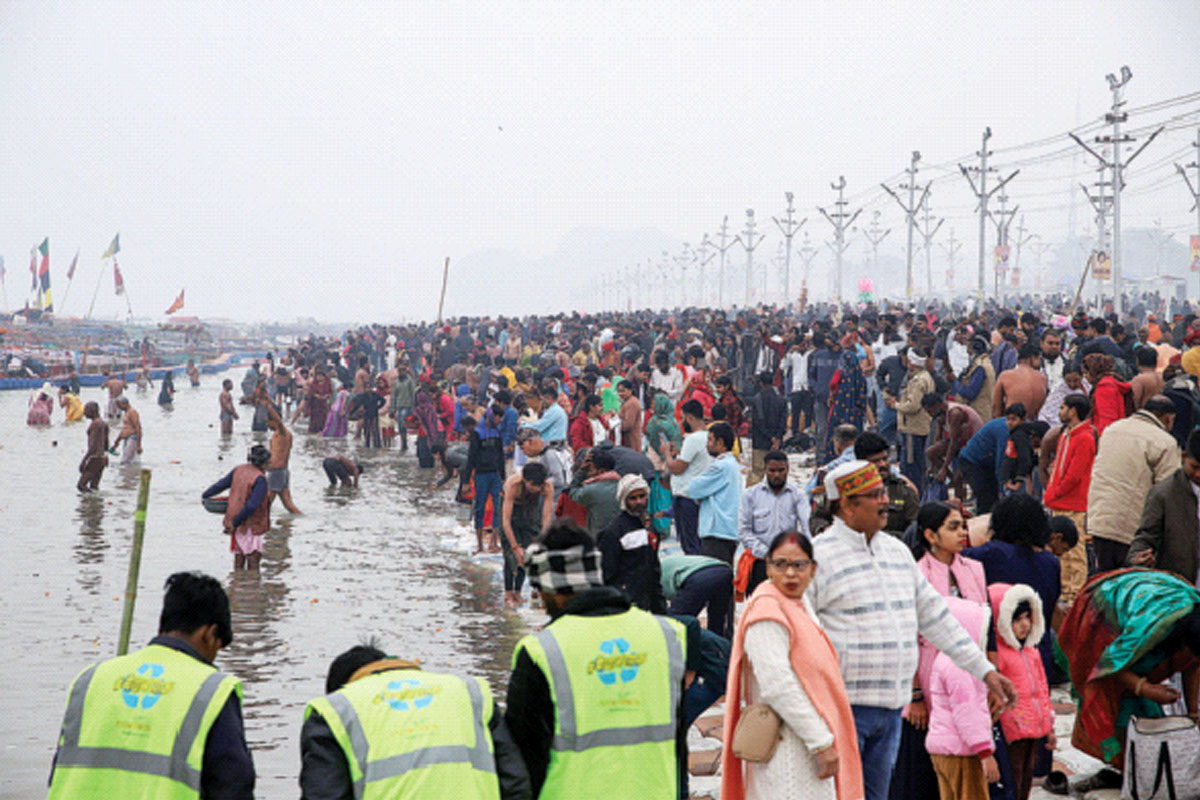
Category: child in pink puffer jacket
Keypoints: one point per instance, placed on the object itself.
(959, 740)
(1019, 627)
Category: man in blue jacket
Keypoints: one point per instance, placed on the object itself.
(982, 458)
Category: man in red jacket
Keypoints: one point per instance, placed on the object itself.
(1067, 492)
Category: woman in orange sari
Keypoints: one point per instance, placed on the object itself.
(782, 658)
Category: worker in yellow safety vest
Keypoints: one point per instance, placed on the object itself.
(595, 698)
(162, 722)
(388, 729)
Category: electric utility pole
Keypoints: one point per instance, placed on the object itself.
(1039, 254)
(1022, 240)
(1101, 203)
(927, 235)
(725, 244)
(951, 249)
(1194, 191)
(749, 244)
(910, 213)
(1161, 239)
(664, 271)
(702, 259)
(841, 220)
(983, 195)
(684, 259)
(807, 253)
(1116, 116)
(788, 228)
(875, 236)
(1002, 219)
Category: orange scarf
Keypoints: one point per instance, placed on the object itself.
(816, 666)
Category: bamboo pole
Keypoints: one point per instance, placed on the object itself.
(442, 299)
(135, 561)
(1082, 280)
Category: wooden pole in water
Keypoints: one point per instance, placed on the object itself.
(135, 562)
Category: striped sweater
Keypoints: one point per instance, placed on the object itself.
(872, 601)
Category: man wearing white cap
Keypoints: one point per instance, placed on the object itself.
(872, 602)
(628, 548)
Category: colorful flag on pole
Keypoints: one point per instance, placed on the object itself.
(44, 275)
(113, 248)
(71, 269)
(118, 281)
(1195, 242)
(33, 269)
(178, 304)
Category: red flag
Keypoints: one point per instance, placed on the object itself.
(74, 263)
(178, 304)
(118, 281)
(33, 268)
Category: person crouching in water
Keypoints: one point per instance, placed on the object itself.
(248, 516)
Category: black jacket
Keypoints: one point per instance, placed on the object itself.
(530, 712)
(325, 775)
(630, 566)
(485, 455)
(768, 419)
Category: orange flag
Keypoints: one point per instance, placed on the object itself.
(178, 304)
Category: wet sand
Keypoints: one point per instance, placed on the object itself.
(384, 560)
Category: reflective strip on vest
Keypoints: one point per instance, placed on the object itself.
(480, 757)
(173, 767)
(568, 738)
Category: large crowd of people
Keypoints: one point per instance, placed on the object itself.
(995, 491)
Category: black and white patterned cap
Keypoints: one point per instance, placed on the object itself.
(569, 571)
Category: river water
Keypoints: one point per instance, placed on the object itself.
(384, 560)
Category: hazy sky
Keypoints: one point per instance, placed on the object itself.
(322, 159)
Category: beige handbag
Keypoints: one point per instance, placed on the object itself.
(757, 734)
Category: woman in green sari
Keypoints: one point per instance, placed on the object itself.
(1128, 632)
(661, 427)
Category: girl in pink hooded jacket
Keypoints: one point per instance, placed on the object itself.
(1019, 627)
(959, 741)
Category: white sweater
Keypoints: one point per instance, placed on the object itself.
(791, 774)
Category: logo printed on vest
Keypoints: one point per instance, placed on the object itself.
(143, 689)
(616, 662)
(406, 695)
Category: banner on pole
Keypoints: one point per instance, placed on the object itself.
(1195, 253)
(1101, 265)
(1002, 251)
(1016, 277)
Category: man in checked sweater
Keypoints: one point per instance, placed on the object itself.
(872, 601)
